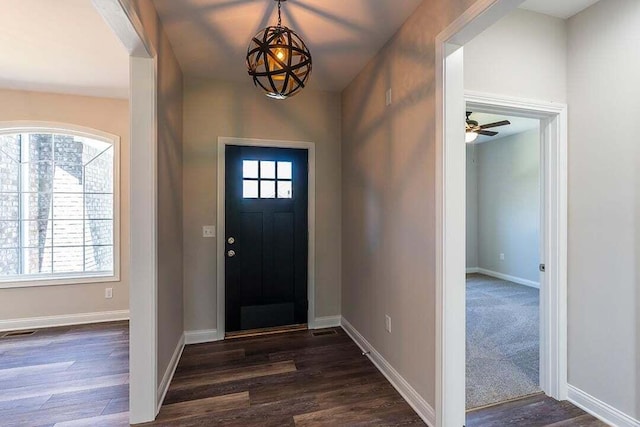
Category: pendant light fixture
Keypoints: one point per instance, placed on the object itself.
(278, 60)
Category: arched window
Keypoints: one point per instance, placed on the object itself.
(58, 195)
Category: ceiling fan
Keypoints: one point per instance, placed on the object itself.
(473, 129)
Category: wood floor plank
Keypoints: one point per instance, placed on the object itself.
(203, 407)
(236, 374)
(112, 420)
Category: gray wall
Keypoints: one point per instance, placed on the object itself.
(508, 209)
(214, 109)
(388, 184)
(604, 203)
(169, 169)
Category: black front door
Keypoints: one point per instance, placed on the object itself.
(266, 237)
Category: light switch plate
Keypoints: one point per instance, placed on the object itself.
(387, 323)
(108, 293)
(209, 231)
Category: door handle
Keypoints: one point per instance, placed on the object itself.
(231, 253)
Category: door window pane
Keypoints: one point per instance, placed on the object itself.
(250, 189)
(250, 169)
(267, 189)
(284, 170)
(268, 170)
(285, 190)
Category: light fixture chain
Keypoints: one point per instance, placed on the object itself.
(279, 14)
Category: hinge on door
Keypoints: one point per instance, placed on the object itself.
(543, 268)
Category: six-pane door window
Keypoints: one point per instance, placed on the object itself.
(267, 180)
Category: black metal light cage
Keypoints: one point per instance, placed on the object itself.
(279, 61)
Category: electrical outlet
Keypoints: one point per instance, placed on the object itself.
(108, 293)
(387, 323)
(209, 231)
(501, 257)
(388, 98)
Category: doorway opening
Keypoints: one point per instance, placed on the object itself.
(266, 221)
(502, 259)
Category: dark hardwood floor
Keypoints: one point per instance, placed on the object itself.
(78, 376)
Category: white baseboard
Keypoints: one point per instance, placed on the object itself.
(201, 336)
(325, 322)
(422, 408)
(518, 280)
(62, 320)
(601, 410)
(472, 270)
(168, 373)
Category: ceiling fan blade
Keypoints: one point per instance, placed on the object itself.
(487, 133)
(495, 125)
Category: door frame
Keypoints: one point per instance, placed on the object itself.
(220, 222)
(451, 215)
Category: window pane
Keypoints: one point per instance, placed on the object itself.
(9, 262)
(9, 206)
(68, 260)
(68, 233)
(38, 233)
(37, 260)
(68, 151)
(250, 189)
(9, 163)
(67, 178)
(268, 170)
(285, 190)
(67, 206)
(98, 174)
(99, 258)
(99, 206)
(37, 177)
(250, 169)
(37, 206)
(94, 148)
(9, 234)
(98, 232)
(40, 147)
(267, 189)
(284, 170)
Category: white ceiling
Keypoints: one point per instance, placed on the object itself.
(210, 37)
(60, 46)
(559, 8)
(518, 125)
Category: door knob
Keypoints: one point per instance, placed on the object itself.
(231, 253)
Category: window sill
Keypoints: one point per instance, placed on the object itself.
(30, 282)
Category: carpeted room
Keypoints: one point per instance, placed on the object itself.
(503, 240)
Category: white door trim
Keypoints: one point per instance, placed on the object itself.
(553, 242)
(120, 15)
(451, 212)
(220, 280)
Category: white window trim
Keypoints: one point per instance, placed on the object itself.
(25, 126)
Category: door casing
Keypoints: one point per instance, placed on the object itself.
(450, 215)
(220, 223)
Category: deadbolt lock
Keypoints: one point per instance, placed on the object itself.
(231, 240)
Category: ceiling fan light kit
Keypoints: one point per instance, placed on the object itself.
(279, 61)
(473, 129)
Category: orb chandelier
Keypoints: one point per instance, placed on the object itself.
(278, 60)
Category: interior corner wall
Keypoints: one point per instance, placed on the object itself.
(472, 207)
(169, 249)
(388, 199)
(224, 109)
(509, 205)
(604, 203)
(106, 114)
(523, 55)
